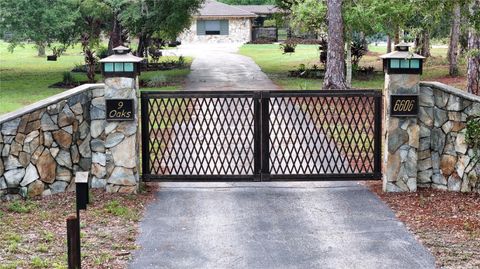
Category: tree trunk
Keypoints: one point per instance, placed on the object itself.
(454, 39)
(335, 73)
(422, 43)
(41, 49)
(389, 44)
(396, 37)
(473, 69)
(115, 36)
(348, 63)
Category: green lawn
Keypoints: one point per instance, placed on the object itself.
(276, 64)
(25, 78)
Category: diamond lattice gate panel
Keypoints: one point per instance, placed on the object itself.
(268, 135)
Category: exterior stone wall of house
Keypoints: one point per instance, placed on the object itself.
(44, 144)
(239, 31)
(444, 159)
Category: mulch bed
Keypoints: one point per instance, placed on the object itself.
(447, 223)
(33, 232)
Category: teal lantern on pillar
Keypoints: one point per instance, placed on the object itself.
(121, 64)
(402, 61)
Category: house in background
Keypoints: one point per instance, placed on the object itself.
(221, 23)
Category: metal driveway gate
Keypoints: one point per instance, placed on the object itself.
(261, 135)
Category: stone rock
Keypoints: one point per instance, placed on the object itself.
(98, 170)
(15, 148)
(47, 192)
(32, 126)
(56, 108)
(85, 164)
(424, 164)
(447, 164)
(396, 138)
(457, 116)
(12, 163)
(63, 158)
(99, 158)
(32, 135)
(32, 146)
(128, 189)
(412, 184)
(77, 109)
(66, 117)
(110, 127)
(424, 144)
(47, 124)
(58, 186)
(441, 98)
(449, 145)
(439, 187)
(127, 128)
(10, 127)
(63, 174)
(439, 179)
(2, 167)
(425, 115)
(96, 128)
(46, 167)
(97, 113)
(69, 128)
(424, 131)
(54, 152)
(84, 130)
(122, 176)
(36, 154)
(84, 148)
(437, 140)
(457, 126)
(63, 139)
(23, 192)
(440, 117)
(98, 92)
(124, 154)
(424, 154)
(474, 109)
(393, 168)
(97, 145)
(48, 139)
(425, 176)
(19, 138)
(6, 150)
(114, 139)
(390, 187)
(454, 182)
(454, 103)
(460, 144)
(23, 124)
(31, 175)
(462, 163)
(436, 162)
(112, 188)
(81, 98)
(36, 188)
(98, 183)
(447, 127)
(3, 184)
(426, 97)
(413, 135)
(14, 176)
(75, 154)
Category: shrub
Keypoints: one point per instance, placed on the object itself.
(21, 207)
(157, 81)
(67, 78)
(102, 52)
(359, 48)
(288, 46)
(472, 135)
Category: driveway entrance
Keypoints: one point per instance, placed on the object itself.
(274, 225)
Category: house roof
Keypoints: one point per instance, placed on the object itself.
(213, 8)
(260, 9)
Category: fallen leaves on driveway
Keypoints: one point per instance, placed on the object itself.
(447, 223)
(33, 232)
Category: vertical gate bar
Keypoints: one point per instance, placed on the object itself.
(265, 133)
(378, 135)
(145, 136)
(257, 136)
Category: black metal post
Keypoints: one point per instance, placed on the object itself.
(145, 135)
(377, 165)
(265, 133)
(257, 139)
(73, 242)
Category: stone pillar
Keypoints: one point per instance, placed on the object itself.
(401, 136)
(122, 158)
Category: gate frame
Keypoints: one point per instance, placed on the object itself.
(261, 136)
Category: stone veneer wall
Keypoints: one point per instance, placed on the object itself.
(444, 159)
(239, 31)
(44, 144)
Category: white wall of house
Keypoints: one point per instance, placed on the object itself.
(239, 31)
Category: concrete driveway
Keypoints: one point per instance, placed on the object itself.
(274, 225)
(220, 67)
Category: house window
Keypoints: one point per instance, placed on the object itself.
(212, 27)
